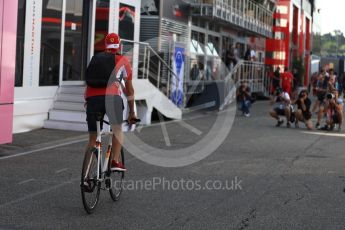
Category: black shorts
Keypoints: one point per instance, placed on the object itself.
(98, 106)
(279, 111)
(306, 115)
(276, 83)
(321, 97)
(335, 118)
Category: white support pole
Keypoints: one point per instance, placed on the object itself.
(92, 27)
(62, 42)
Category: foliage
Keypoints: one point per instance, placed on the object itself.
(330, 44)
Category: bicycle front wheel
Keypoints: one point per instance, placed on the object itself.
(117, 178)
(90, 186)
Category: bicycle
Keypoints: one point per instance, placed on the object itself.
(97, 171)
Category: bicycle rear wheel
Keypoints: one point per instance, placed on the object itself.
(117, 178)
(90, 186)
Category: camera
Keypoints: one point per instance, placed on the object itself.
(278, 91)
(302, 95)
(330, 96)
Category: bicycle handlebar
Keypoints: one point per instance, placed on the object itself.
(136, 121)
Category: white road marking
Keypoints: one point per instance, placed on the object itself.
(166, 135)
(199, 107)
(26, 181)
(46, 190)
(190, 128)
(162, 123)
(43, 149)
(164, 130)
(38, 193)
(61, 170)
(177, 121)
(326, 134)
(140, 128)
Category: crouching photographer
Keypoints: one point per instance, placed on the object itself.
(282, 107)
(334, 112)
(303, 113)
(244, 99)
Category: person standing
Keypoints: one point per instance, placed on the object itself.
(340, 84)
(276, 79)
(237, 55)
(286, 81)
(230, 61)
(315, 81)
(321, 91)
(253, 54)
(247, 55)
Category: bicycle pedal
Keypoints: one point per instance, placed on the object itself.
(86, 188)
(83, 184)
(107, 183)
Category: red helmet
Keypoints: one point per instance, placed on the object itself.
(112, 41)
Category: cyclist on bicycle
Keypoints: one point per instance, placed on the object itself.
(96, 101)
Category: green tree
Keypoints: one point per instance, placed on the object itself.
(337, 34)
(329, 44)
(317, 44)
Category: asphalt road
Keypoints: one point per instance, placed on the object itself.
(281, 179)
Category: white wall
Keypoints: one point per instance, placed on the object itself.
(114, 26)
(31, 106)
(32, 102)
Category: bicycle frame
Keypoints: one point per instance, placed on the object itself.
(99, 149)
(98, 146)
